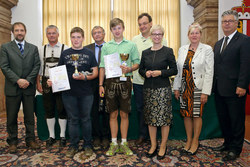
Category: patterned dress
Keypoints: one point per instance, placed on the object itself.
(190, 105)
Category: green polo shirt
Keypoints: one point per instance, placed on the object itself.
(125, 46)
(142, 44)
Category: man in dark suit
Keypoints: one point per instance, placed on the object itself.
(20, 63)
(231, 79)
(99, 131)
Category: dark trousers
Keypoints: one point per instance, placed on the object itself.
(231, 114)
(138, 94)
(12, 106)
(52, 101)
(100, 128)
(78, 109)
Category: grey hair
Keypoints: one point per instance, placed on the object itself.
(231, 12)
(157, 27)
(96, 27)
(52, 26)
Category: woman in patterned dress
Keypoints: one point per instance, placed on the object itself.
(193, 84)
(157, 65)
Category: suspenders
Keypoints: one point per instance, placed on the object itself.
(44, 57)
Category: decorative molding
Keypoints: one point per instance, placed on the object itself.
(8, 4)
(206, 14)
(5, 36)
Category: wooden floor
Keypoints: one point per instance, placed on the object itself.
(247, 124)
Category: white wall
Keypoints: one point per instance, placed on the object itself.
(186, 14)
(30, 13)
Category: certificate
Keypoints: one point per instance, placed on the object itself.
(112, 65)
(59, 77)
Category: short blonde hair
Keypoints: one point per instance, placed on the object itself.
(157, 27)
(194, 26)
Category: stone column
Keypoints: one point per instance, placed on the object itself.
(206, 14)
(5, 36)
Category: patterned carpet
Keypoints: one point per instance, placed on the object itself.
(55, 156)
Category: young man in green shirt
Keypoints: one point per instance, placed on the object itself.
(116, 91)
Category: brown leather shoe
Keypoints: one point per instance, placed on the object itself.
(105, 143)
(140, 141)
(32, 145)
(13, 148)
(97, 144)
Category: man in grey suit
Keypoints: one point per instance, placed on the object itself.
(20, 63)
(99, 131)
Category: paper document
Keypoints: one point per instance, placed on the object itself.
(112, 65)
(59, 77)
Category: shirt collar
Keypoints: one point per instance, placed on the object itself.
(142, 37)
(231, 35)
(123, 40)
(17, 42)
(58, 44)
(99, 45)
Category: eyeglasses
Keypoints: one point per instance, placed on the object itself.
(228, 21)
(159, 35)
(97, 32)
(51, 33)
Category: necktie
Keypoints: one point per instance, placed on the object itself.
(224, 45)
(21, 48)
(99, 53)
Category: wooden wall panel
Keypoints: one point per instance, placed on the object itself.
(5, 36)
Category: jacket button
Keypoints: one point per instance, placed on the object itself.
(193, 72)
(194, 78)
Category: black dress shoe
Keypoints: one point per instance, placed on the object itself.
(160, 157)
(230, 156)
(192, 153)
(184, 151)
(221, 148)
(153, 154)
(50, 142)
(63, 142)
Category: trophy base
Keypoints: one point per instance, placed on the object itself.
(123, 78)
(75, 74)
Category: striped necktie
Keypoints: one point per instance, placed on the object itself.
(21, 48)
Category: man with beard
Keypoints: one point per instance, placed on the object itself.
(20, 63)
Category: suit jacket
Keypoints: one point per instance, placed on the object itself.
(91, 47)
(202, 67)
(16, 66)
(231, 68)
(96, 80)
